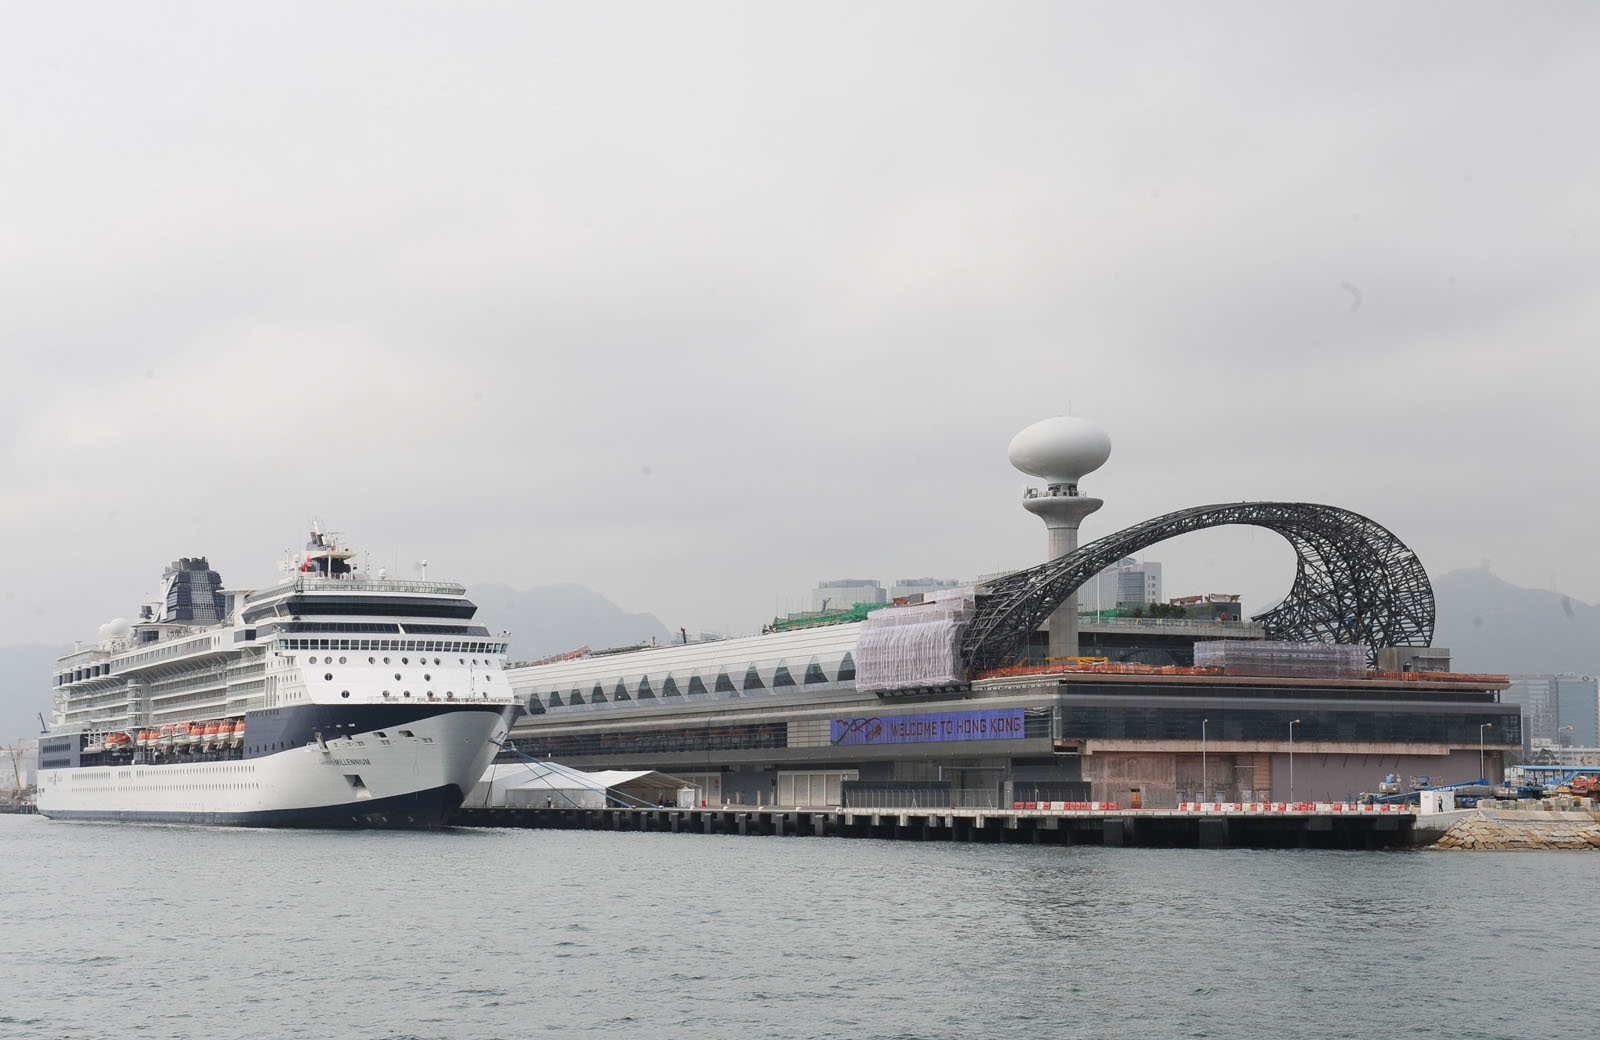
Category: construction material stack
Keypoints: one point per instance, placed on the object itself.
(1285, 660)
(915, 646)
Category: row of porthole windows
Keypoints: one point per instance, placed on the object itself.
(426, 677)
(111, 786)
(403, 660)
(449, 695)
(197, 787)
(782, 678)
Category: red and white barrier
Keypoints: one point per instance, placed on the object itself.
(1236, 808)
(1284, 807)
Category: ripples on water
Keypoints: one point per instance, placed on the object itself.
(167, 931)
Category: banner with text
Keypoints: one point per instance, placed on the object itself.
(1001, 724)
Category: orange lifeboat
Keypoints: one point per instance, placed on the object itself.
(213, 729)
(165, 738)
(116, 742)
(182, 735)
(238, 733)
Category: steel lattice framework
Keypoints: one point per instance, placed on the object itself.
(1354, 581)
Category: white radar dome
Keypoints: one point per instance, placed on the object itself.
(1060, 450)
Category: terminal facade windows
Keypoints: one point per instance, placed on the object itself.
(669, 687)
(1108, 722)
(663, 741)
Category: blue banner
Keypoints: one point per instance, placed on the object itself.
(1001, 724)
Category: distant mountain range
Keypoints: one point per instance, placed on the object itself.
(1489, 625)
(553, 619)
(25, 689)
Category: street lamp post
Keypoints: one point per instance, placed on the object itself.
(1481, 774)
(1205, 787)
(1557, 749)
(1292, 725)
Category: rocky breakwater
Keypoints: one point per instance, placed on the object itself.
(1493, 830)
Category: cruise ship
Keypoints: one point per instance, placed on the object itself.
(330, 699)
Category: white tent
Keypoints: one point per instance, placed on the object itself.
(530, 784)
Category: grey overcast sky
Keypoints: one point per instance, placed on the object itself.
(697, 304)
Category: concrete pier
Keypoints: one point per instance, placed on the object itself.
(1148, 828)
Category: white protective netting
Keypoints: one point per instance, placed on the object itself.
(918, 645)
(1258, 657)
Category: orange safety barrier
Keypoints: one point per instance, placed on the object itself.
(1102, 668)
(1279, 807)
(1436, 677)
(1122, 668)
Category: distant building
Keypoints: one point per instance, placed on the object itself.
(1575, 757)
(844, 593)
(1557, 710)
(1128, 581)
(1577, 710)
(1214, 606)
(906, 587)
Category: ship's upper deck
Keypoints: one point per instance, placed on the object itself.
(304, 596)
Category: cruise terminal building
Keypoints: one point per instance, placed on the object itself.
(977, 696)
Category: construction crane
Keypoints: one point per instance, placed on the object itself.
(16, 771)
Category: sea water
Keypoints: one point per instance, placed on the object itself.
(127, 930)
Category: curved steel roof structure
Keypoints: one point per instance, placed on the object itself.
(1354, 581)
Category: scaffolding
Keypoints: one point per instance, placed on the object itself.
(914, 646)
(1282, 659)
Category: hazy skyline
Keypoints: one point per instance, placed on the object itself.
(696, 305)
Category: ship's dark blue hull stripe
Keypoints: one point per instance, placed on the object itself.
(271, 730)
(430, 808)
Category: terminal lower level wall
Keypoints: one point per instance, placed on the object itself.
(1163, 779)
(741, 785)
(813, 788)
(1335, 777)
(1116, 777)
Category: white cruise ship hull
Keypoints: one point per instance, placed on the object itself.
(311, 765)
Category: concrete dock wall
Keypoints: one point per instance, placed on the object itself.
(1150, 828)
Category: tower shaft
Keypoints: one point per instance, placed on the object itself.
(1062, 512)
